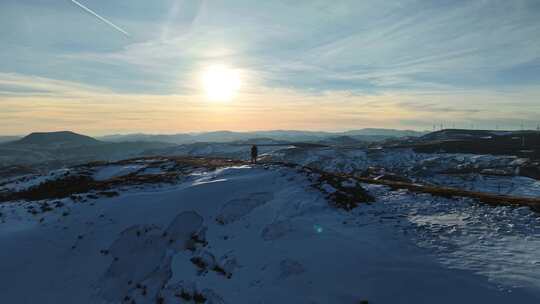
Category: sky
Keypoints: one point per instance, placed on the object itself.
(305, 65)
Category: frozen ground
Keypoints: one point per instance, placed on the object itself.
(507, 185)
(485, 173)
(264, 235)
(108, 172)
(348, 160)
(499, 243)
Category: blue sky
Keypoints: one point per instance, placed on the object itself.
(326, 65)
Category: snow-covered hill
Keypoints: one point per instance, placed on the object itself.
(486, 173)
(502, 174)
(213, 231)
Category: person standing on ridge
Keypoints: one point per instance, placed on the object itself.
(254, 152)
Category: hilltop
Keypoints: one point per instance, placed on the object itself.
(51, 150)
(56, 139)
(209, 230)
(368, 134)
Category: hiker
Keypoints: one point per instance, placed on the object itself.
(254, 152)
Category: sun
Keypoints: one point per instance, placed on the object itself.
(220, 83)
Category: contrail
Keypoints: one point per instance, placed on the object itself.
(101, 18)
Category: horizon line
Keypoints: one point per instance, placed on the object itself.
(263, 130)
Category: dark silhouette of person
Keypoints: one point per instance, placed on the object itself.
(254, 152)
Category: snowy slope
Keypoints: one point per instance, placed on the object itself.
(486, 173)
(336, 159)
(508, 185)
(262, 234)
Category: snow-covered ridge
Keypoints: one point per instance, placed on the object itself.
(486, 173)
(106, 178)
(218, 231)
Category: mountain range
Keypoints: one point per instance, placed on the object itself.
(368, 134)
(47, 150)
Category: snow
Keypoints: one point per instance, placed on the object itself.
(263, 234)
(156, 168)
(507, 185)
(28, 181)
(487, 173)
(490, 173)
(108, 172)
(348, 160)
(500, 243)
(327, 188)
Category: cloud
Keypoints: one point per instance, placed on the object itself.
(95, 110)
(315, 64)
(351, 45)
(436, 108)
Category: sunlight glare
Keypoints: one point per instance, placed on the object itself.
(220, 83)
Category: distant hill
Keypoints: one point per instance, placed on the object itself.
(57, 139)
(463, 134)
(519, 143)
(46, 150)
(140, 137)
(340, 141)
(261, 141)
(369, 134)
(4, 139)
(384, 132)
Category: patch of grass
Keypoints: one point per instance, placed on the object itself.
(199, 297)
(200, 263)
(53, 189)
(185, 295)
(218, 269)
(346, 198)
(197, 239)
